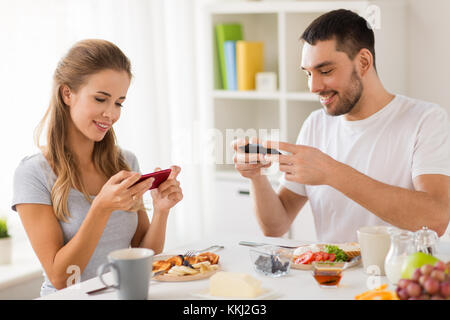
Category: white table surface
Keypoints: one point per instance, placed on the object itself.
(298, 284)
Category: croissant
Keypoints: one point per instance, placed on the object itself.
(176, 260)
(211, 257)
(161, 265)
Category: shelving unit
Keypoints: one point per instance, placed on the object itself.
(281, 113)
(279, 25)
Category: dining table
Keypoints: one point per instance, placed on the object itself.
(296, 285)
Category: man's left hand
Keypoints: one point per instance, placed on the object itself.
(305, 165)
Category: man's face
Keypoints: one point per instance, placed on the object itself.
(333, 76)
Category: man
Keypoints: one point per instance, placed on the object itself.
(367, 158)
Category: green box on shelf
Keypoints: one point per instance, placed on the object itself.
(226, 32)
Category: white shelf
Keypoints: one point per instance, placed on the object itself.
(282, 6)
(261, 95)
(278, 24)
(246, 95)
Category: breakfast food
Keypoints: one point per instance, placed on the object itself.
(183, 265)
(429, 282)
(351, 249)
(234, 285)
(379, 293)
(161, 265)
(326, 253)
(201, 267)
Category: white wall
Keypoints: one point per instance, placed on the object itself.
(429, 51)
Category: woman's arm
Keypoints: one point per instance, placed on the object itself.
(46, 238)
(151, 235)
(166, 196)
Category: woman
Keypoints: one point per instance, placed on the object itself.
(76, 199)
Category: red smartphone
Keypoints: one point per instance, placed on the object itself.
(160, 177)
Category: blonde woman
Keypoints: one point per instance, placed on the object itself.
(76, 199)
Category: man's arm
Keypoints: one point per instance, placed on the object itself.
(275, 211)
(427, 205)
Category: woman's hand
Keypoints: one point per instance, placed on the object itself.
(119, 193)
(169, 193)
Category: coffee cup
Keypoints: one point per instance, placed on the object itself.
(374, 242)
(131, 269)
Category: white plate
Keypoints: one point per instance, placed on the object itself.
(266, 295)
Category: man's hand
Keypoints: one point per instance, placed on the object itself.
(249, 165)
(305, 165)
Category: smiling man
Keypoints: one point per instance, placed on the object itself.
(368, 157)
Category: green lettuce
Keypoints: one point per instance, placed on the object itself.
(339, 253)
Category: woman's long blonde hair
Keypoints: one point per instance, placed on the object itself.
(85, 58)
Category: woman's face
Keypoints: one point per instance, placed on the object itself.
(96, 106)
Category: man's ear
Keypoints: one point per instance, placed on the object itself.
(66, 94)
(365, 61)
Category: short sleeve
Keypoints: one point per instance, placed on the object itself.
(303, 139)
(131, 160)
(432, 146)
(29, 184)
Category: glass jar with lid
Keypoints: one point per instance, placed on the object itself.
(402, 245)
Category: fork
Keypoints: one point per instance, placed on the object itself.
(191, 253)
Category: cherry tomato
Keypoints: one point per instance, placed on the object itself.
(326, 256)
(332, 257)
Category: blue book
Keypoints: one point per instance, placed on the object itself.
(230, 64)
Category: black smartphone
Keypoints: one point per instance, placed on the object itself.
(257, 148)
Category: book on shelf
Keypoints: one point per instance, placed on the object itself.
(230, 64)
(226, 32)
(249, 61)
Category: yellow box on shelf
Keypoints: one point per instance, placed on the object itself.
(249, 61)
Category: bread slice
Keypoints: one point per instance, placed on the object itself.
(351, 249)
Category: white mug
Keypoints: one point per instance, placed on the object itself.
(374, 242)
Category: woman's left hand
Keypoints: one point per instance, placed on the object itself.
(169, 193)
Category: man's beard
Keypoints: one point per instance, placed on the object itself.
(350, 98)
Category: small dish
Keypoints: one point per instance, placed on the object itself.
(327, 274)
(271, 260)
(167, 277)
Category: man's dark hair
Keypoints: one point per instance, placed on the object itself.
(351, 31)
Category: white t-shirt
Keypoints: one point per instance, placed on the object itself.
(405, 139)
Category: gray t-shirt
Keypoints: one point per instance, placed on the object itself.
(33, 181)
